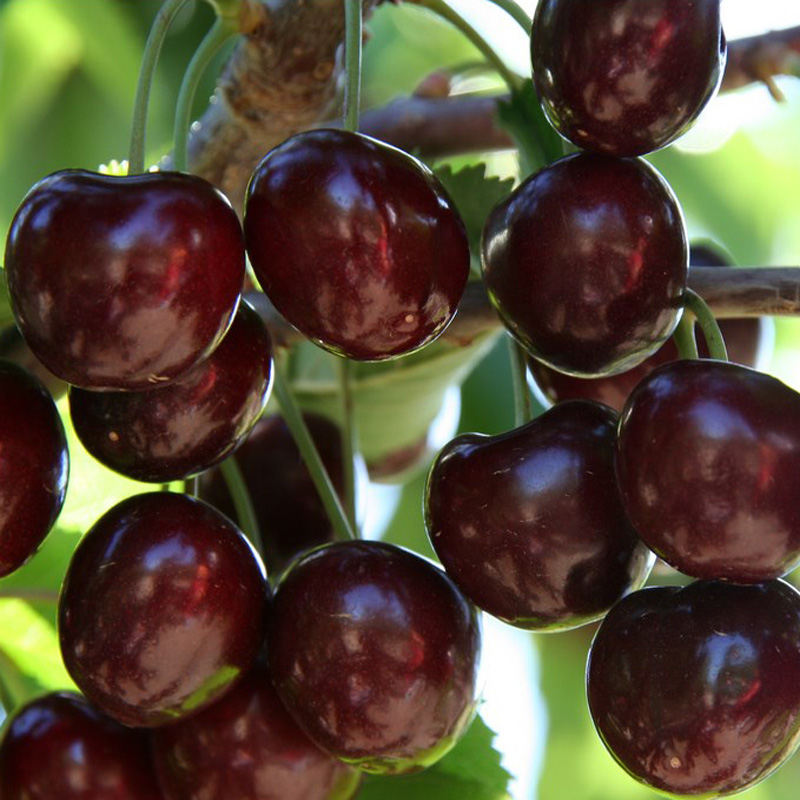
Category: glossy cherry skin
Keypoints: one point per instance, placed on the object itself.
(34, 465)
(356, 243)
(375, 653)
(625, 77)
(586, 263)
(696, 691)
(178, 430)
(124, 282)
(708, 464)
(247, 747)
(530, 525)
(288, 508)
(60, 746)
(747, 341)
(163, 607)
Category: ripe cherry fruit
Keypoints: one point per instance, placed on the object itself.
(708, 464)
(34, 465)
(625, 77)
(356, 243)
(60, 746)
(375, 653)
(247, 747)
(529, 524)
(162, 608)
(124, 282)
(178, 430)
(696, 691)
(586, 263)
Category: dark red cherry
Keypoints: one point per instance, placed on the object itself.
(696, 691)
(123, 282)
(625, 77)
(247, 747)
(288, 508)
(529, 524)
(60, 747)
(34, 465)
(375, 653)
(196, 421)
(162, 609)
(356, 243)
(708, 463)
(748, 341)
(586, 263)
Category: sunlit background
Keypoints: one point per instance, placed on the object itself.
(65, 97)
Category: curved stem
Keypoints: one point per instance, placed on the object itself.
(519, 382)
(519, 14)
(223, 29)
(441, 9)
(349, 439)
(242, 503)
(158, 32)
(308, 450)
(684, 337)
(352, 49)
(708, 324)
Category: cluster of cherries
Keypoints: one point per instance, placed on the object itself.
(198, 679)
(201, 679)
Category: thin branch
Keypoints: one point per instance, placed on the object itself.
(739, 292)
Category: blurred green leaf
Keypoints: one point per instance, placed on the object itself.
(472, 770)
(474, 195)
(395, 402)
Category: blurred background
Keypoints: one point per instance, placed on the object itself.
(68, 73)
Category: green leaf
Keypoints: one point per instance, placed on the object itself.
(472, 769)
(474, 195)
(537, 141)
(396, 401)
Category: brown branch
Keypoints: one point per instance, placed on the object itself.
(739, 292)
(284, 76)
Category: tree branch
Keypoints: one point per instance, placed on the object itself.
(736, 292)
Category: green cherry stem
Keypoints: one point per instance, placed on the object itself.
(242, 503)
(353, 41)
(517, 12)
(444, 11)
(308, 450)
(684, 337)
(349, 438)
(519, 382)
(152, 49)
(223, 29)
(708, 324)
(354, 35)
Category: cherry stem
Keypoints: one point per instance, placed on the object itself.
(245, 513)
(223, 29)
(349, 438)
(708, 324)
(516, 11)
(152, 49)
(444, 11)
(48, 596)
(12, 687)
(354, 34)
(308, 450)
(684, 337)
(519, 382)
